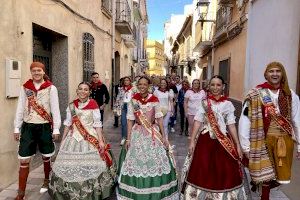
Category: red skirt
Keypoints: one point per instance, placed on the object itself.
(212, 168)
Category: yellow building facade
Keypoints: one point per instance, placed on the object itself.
(155, 55)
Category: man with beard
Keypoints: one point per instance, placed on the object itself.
(269, 126)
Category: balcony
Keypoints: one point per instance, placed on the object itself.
(129, 41)
(229, 3)
(123, 17)
(223, 18)
(106, 7)
(137, 10)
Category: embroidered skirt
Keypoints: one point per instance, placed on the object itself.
(213, 173)
(147, 171)
(80, 173)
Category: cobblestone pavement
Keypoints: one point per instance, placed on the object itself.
(113, 136)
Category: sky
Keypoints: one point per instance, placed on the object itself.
(160, 11)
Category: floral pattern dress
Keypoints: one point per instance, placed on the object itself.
(79, 172)
(147, 171)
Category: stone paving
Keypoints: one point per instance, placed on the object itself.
(113, 136)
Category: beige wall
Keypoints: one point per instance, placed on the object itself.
(235, 50)
(18, 16)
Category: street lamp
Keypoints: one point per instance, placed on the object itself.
(202, 8)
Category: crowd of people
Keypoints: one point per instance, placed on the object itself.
(85, 167)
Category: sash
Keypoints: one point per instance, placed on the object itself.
(38, 108)
(225, 141)
(104, 153)
(270, 109)
(149, 127)
(145, 122)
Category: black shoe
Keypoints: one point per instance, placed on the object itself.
(253, 186)
(186, 133)
(116, 125)
(274, 184)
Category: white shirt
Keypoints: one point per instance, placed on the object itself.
(165, 99)
(245, 124)
(224, 113)
(194, 101)
(54, 109)
(178, 86)
(127, 96)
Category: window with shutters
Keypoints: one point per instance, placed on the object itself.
(88, 56)
(224, 71)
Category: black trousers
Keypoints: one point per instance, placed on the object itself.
(102, 116)
(184, 125)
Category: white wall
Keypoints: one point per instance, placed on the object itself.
(273, 35)
(172, 29)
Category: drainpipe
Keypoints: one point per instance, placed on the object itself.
(113, 50)
(247, 73)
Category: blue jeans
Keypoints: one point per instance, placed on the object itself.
(124, 120)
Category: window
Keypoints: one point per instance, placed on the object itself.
(88, 56)
(224, 71)
(204, 74)
(106, 4)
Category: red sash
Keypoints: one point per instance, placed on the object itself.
(145, 122)
(37, 108)
(104, 153)
(271, 110)
(225, 141)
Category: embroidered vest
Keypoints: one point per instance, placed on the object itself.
(87, 120)
(43, 99)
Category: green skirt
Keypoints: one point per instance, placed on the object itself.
(146, 170)
(79, 173)
(93, 189)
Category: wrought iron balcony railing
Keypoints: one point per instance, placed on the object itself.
(106, 4)
(123, 11)
(223, 18)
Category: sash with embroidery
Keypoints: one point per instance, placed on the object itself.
(38, 108)
(270, 109)
(225, 141)
(149, 127)
(104, 153)
(145, 122)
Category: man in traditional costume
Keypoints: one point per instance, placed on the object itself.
(268, 128)
(37, 123)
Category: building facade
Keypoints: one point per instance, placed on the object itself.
(171, 30)
(273, 35)
(73, 39)
(139, 56)
(155, 55)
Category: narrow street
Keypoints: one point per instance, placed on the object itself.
(113, 136)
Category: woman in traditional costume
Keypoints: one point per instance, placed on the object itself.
(214, 171)
(83, 168)
(165, 97)
(148, 171)
(123, 98)
(192, 101)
